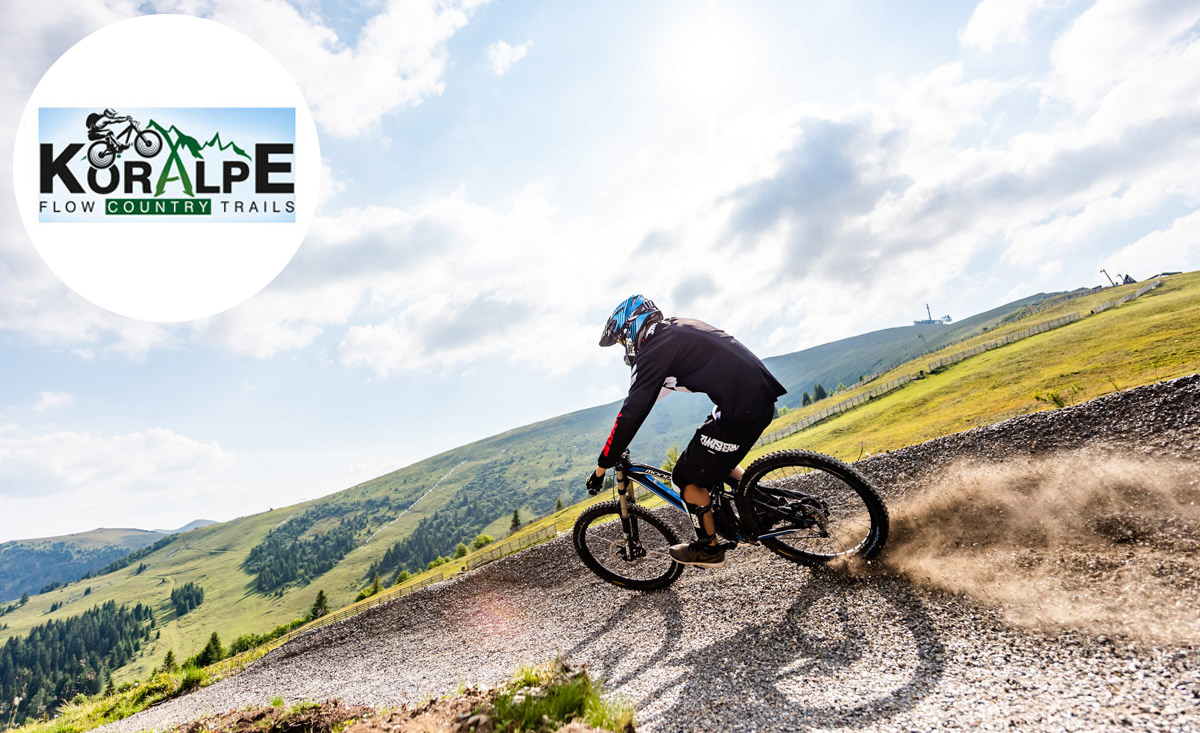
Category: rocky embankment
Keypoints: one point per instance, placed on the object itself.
(1042, 575)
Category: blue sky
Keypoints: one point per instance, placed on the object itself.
(499, 175)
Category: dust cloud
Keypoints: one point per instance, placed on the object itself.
(1083, 540)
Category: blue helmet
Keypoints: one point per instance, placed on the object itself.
(628, 323)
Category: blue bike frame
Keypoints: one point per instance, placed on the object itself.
(658, 482)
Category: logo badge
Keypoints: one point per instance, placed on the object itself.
(210, 165)
(166, 191)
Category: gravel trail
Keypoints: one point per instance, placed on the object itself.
(767, 645)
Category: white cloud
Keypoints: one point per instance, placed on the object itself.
(502, 56)
(80, 480)
(809, 223)
(154, 460)
(1166, 250)
(849, 213)
(996, 22)
(53, 401)
(1116, 43)
(397, 59)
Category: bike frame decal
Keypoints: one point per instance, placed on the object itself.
(665, 492)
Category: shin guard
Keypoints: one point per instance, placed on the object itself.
(697, 513)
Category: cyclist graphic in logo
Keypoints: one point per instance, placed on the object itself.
(103, 152)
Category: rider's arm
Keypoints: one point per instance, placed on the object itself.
(649, 373)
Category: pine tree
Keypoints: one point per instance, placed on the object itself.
(169, 664)
(320, 606)
(558, 505)
(213, 652)
(805, 400)
(516, 521)
(110, 689)
(375, 584)
(819, 393)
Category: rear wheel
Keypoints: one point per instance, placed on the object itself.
(101, 155)
(642, 563)
(811, 508)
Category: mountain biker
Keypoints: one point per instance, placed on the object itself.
(686, 355)
(99, 124)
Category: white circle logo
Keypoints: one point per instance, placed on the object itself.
(166, 168)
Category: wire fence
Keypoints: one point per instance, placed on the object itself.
(840, 407)
(1047, 304)
(498, 550)
(354, 609)
(1126, 298)
(1004, 340)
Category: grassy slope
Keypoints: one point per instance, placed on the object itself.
(133, 538)
(546, 460)
(27, 565)
(1147, 340)
(845, 360)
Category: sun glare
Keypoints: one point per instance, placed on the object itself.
(707, 59)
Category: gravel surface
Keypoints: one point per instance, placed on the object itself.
(764, 644)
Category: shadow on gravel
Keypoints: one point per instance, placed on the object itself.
(845, 654)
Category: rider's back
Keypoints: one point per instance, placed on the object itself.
(697, 357)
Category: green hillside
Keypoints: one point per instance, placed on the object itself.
(1150, 339)
(26, 566)
(846, 360)
(420, 511)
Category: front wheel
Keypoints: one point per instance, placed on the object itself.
(639, 560)
(148, 143)
(811, 508)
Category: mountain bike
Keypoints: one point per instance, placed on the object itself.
(103, 153)
(807, 507)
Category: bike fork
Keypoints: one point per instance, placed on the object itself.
(627, 522)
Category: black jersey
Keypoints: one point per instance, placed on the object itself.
(686, 355)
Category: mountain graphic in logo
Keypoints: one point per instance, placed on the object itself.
(176, 140)
(180, 138)
(223, 146)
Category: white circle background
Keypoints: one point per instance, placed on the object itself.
(167, 271)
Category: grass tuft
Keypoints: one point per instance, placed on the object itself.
(555, 694)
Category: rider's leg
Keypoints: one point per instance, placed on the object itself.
(698, 501)
(695, 495)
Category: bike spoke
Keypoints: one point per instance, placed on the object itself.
(606, 541)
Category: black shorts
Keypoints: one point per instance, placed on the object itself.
(715, 450)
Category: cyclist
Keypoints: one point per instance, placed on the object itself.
(99, 124)
(686, 355)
